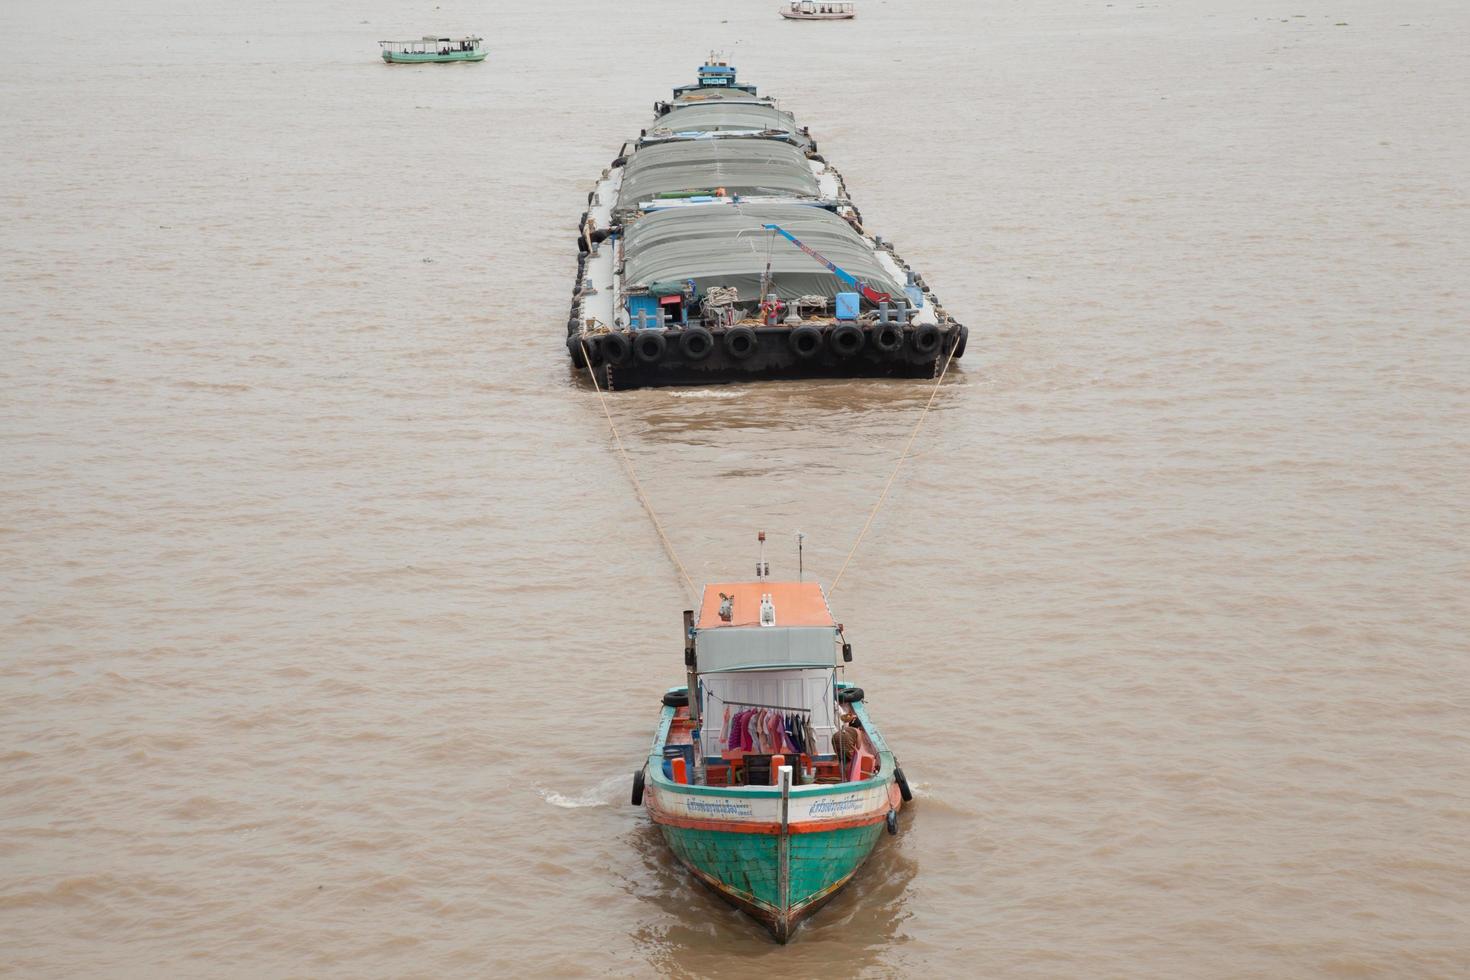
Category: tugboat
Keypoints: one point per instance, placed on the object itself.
(430, 49)
(818, 10)
(721, 246)
(772, 784)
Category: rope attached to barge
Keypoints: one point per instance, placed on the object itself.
(633, 475)
(896, 467)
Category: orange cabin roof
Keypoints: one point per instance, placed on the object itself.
(797, 604)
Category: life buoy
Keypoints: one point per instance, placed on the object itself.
(696, 343)
(805, 341)
(740, 342)
(616, 348)
(638, 788)
(649, 346)
(676, 699)
(927, 338)
(846, 339)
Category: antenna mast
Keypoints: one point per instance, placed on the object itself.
(762, 567)
(800, 564)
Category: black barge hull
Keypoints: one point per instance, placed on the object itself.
(655, 358)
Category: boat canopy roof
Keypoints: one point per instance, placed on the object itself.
(766, 648)
(431, 39)
(749, 168)
(721, 116)
(797, 604)
(718, 245)
(804, 634)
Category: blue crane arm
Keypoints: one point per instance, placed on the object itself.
(872, 294)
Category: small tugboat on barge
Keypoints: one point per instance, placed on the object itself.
(772, 784)
(721, 246)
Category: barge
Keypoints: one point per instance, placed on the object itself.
(772, 785)
(721, 246)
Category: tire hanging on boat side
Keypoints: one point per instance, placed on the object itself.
(696, 343)
(616, 348)
(649, 346)
(740, 342)
(846, 339)
(805, 341)
(927, 338)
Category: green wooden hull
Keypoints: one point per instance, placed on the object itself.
(740, 841)
(744, 868)
(408, 58)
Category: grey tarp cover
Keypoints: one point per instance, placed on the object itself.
(716, 118)
(701, 243)
(759, 168)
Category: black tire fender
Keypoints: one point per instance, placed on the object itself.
(887, 338)
(927, 338)
(849, 694)
(696, 343)
(846, 339)
(638, 788)
(959, 347)
(676, 699)
(891, 820)
(649, 346)
(741, 342)
(616, 348)
(903, 785)
(805, 341)
(574, 348)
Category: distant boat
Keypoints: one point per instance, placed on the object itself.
(818, 10)
(429, 49)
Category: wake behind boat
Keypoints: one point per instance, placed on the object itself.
(772, 784)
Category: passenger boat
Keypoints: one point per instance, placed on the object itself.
(773, 784)
(429, 49)
(818, 10)
(721, 246)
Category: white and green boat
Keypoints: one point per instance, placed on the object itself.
(772, 784)
(431, 50)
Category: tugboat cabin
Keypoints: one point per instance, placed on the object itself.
(764, 672)
(715, 73)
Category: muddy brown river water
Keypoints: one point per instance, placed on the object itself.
(332, 631)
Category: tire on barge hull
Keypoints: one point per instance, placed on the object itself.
(770, 353)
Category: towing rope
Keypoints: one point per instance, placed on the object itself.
(633, 474)
(896, 467)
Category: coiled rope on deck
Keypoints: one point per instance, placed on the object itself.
(896, 467)
(633, 474)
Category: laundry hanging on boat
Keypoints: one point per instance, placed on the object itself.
(765, 731)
